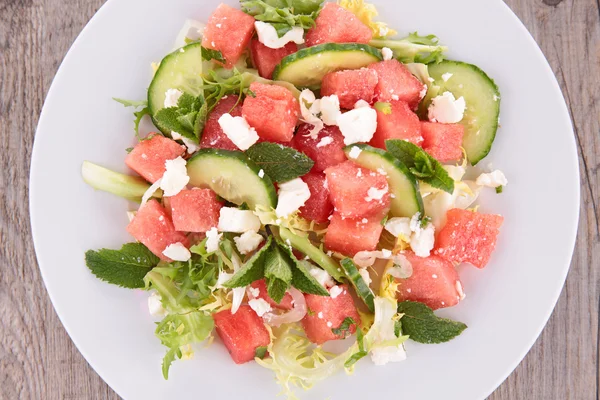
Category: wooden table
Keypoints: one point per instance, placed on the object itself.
(39, 361)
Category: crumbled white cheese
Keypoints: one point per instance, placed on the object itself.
(383, 31)
(493, 179)
(335, 291)
(446, 109)
(254, 292)
(292, 196)
(192, 146)
(238, 131)
(309, 115)
(248, 241)
(232, 219)
(177, 252)
(422, 94)
(423, 240)
(358, 125)
(268, 36)
(329, 324)
(155, 306)
(376, 194)
(399, 227)
(175, 177)
(361, 104)
(172, 97)
(364, 273)
(384, 355)
(260, 306)
(354, 152)
(320, 315)
(322, 277)
(261, 173)
(325, 141)
(387, 53)
(330, 109)
(213, 237)
(447, 76)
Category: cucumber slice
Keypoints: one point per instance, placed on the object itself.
(126, 186)
(307, 67)
(403, 184)
(317, 255)
(182, 69)
(362, 289)
(232, 176)
(483, 104)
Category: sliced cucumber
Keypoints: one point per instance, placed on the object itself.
(483, 104)
(232, 176)
(307, 67)
(182, 69)
(362, 289)
(407, 200)
(317, 255)
(126, 186)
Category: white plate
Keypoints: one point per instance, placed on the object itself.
(507, 303)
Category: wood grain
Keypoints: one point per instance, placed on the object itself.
(39, 361)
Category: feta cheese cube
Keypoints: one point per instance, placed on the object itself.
(384, 355)
(248, 241)
(447, 76)
(155, 306)
(423, 240)
(268, 36)
(376, 194)
(446, 109)
(177, 252)
(399, 227)
(364, 273)
(213, 237)
(330, 109)
(292, 196)
(235, 220)
(355, 152)
(493, 179)
(387, 53)
(172, 97)
(309, 115)
(238, 131)
(322, 277)
(325, 141)
(175, 177)
(260, 306)
(358, 125)
(335, 291)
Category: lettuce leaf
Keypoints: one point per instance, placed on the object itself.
(292, 13)
(414, 48)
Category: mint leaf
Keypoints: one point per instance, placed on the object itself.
(344, 329)
(260, 352)
(210, 54)
(281, 163)
(425, 167)
(187, 119)
(278, 272)
(385, 108)
(423, 326)
(253, 269)
(125, 267)
(301, 277)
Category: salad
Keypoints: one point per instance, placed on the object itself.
(311, 178)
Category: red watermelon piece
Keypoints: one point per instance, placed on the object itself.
(352, 190)
(213, 136)
(153, 227)
(335, 24)
(318, 207)
(443, 141)
(228, 30)
(273, 112)
(195, 210)
(242, 333)
(350, 86)
(261, 285)
(348, 236)
(397, 83)
(266, 59)
(324, 156)
(148, 156)
(468, 237)
(327, 313)
(402, 123)
(434, 282)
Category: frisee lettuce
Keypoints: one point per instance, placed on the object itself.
(284, 14)
(414, 48)
(366, 12)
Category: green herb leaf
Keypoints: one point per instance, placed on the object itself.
(344, 329)
(210, 54)
(278, 272)
(187, 119)
(301, 277)
(499, 189)
(398, 328)
(131, 103)
(425, 167)
(260, 352)
(129, 150)
(137, 114)
(423, 326)
(253, 269)
(125, 267)
(385, 108)
(360, 339)
(292, 13)
(281, 163)
(385, 220)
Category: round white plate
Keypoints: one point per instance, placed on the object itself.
(507, 303)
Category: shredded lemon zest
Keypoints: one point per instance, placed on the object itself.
(365, 12)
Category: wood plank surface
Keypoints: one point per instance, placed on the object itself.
(39, 361)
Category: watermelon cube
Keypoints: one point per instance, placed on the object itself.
(228, 30)
(443, 141)
(242, 333)
(273, 111)
(213, 136)
(357, 192)
(468, 237)
(153, 227)
(326, 313)
(397, 83)
(266, 59)
(318, 207)
(261, 286)
(335, 24)
(434, 282)
(350, 86)
(348, 236)
(324, 154)
(195, 210)
(402, 123)
(148, 156)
